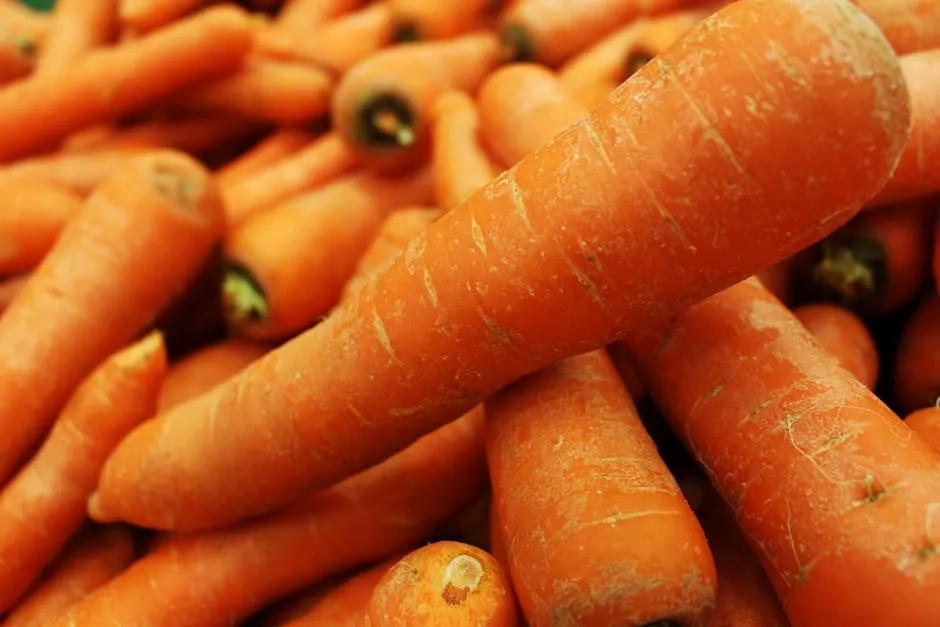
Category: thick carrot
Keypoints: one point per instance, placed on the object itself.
(322, 160)
(522, 107)
(631, 547)
(206, 368)
(844, 336)
(346, 603)
(91, 560)
(417, 19)
(460, 162)
(302, 16)
(23, 23)
(910, 25)
(10, 287)
(148, 15)
(381, 107)
(110, 82)
(385, 509)
(916, 174)
(917, 364)
(17, 58)
(280, 92)
(279, 145)
(44, 505)
(878, 262)
(117, 263)
(32, 217)
(827, 483)
(562, 254)
(287, 266)
(77, 27)
(79, 172)
(445, 583)
(926, 423)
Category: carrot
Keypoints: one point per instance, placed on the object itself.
(287, 266)
(280, 92)
(497, 542)
(381, 511)
(787, 430)
(460, 162)
(277, 146)
(561, 254)
(110, 82)
(917, 364)
(916, 175)
(470, 526)
(10, 287)
(302, 16)
(910, 25)
(878, 262)
(206, 368)
(148, 15)
(17, 57)
(44, 505)
(77, 26)
(780, 279)
(552, 33)
(381, 106)
(117, 263)
(844, 336)
(194, 134)
(745, 596)
(416, 19)
(631, 547)
(321, 161)
(80, 172)
(926, 423)
(93, 558)
(32, 217)
(445, 583)
(522, 107)
(23, 23)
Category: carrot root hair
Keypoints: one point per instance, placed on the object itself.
(852, 270)
(386, 121)
(243, 297)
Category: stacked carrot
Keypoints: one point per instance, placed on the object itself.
(403, 313)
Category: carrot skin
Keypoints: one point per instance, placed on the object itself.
(926, 423)
(432, 352)
(202, 370)
(10, 287)
(304, 15)
(79, 172)
(17, 58)
(277, 146)
(32, 218)
(910, 25)
(844, 336)
(917, 363)
(459, 160)
(437, 20)
(146, 15)
(77, 27)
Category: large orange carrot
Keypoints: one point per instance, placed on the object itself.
(115, 266)
(78, 172)
(32, 217)
(917, 364)
(323, 159)
(44, 505)
(92, 559)
(844, 336)
(926, 423)
(302, 16)
(77, 27)
(382, 105)
(563, 253)
(417, 19)
(147, 15)
(910, 25)
(281, 92)
(916, 174)
(199, 372)
(279, 145)
(446, 584)
(381, 511)
(460, 162)
(632, 547)
(17, 57)
(105, 83)
(287, 266)
(522, 107)
(833, 493)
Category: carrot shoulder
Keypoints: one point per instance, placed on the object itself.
(474, 303)
(33, 215)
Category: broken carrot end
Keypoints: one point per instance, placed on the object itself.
(852, 270)
(242, 297)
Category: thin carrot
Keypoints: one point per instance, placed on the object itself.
(79, 172)
(146, 15)
(287, 266)
(632, 547)
(844, 336)
(562, 254)
(193, 134)
(383, 510)
(44, 505)
(117, 263)
(417, 19)
(787, 429)
(910, 25)
(303, 16)
(32, 217)
(280, 92)
(277, 146)
(381, 107)
(460, 162)
(106, 83)
(916, 175)
(878, 262)
(206, 368)
(10, 287)
(917, 363)
(321, 161)
(445, 583)
(17, 57)
(93, 558)
(77, 27)
(522, 107)
(23, 23)
(926, 423)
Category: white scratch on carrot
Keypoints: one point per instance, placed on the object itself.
(429, 286)
(613, 519)
(498, 332)
(595, 140)
(477, 234)
(382, 334)
(515, 195)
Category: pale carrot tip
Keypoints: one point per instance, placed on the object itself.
(95, 511)
(242, 297)
(141, 351)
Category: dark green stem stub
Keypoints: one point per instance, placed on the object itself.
(850, 270)
(387, 121)
(516, 44)
(406, 32)
(635, 61)
(242, 297)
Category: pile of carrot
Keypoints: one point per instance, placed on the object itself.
(400, 313)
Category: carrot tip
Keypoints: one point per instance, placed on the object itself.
(852, 270)
(242, 297)
(406, 32)
(387, 122)
(95, 511)
(515, 44)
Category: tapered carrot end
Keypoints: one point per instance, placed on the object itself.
(151, 348)
(95, 511)
(515, 44)
(243, 299)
